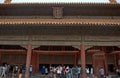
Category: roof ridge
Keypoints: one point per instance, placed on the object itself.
(62, 3)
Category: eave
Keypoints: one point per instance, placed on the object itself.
(103, 22)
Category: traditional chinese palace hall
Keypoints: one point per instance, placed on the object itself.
(86, 34)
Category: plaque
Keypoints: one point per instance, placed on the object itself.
(57, 12)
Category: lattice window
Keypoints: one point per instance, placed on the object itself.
(13, 58)
(88, 59)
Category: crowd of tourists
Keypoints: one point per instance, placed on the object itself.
(51, 71)
(65, 71)
(74, 72)
(7, 70)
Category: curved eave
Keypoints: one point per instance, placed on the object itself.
(59, 22)
(62, 4)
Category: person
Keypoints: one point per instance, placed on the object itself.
(87, 72)
(46, 71)
(75, 72)
(118, 72)
(63, 72)
(30, 70)
(20, 72)
(3, 72)
(43, 70)
(0, 70)
(51, 71)
(67, 71)
(54, 72)
(15, 70)
(91, 72)
(59, 71)
(101, 71)
(79, 70)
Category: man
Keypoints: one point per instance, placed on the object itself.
(75, 72)
(30, 70)
(101, 71)
(20, 72)
(59, 72)
(3, 72)
(79, 71)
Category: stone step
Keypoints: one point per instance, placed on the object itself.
(86, 77)
(48, 76)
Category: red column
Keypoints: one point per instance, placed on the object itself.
(37, 62)
(33, 62)
(28, 60)
(0, 58)
(118, 60)
(106, 65)
(75, 63)
(83, 63)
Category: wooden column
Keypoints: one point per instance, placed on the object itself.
(0, 58)
(28, 60)
(118, 60)
(37, 62)
(78, 59)
(115, 61)
(106, 64)
(93, 63)
(75, 63)
(83, 63)
(35, 70)
(33, 62)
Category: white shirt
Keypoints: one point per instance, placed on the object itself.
(30, 68)
(101, 71)
(79, 69)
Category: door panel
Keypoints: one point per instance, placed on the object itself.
(98, 63)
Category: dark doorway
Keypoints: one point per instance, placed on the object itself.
(111, 68)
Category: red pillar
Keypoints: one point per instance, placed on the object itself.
(0, 58)
(37, 62)
(106, 65)
(28, 60)
(83, 63)
(33, 62)
(75, 63)
(118, 60)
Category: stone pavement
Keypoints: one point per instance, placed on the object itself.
(47, 76)
(33, 76)
(40, 76)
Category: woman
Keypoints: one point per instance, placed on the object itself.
(20, 72)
